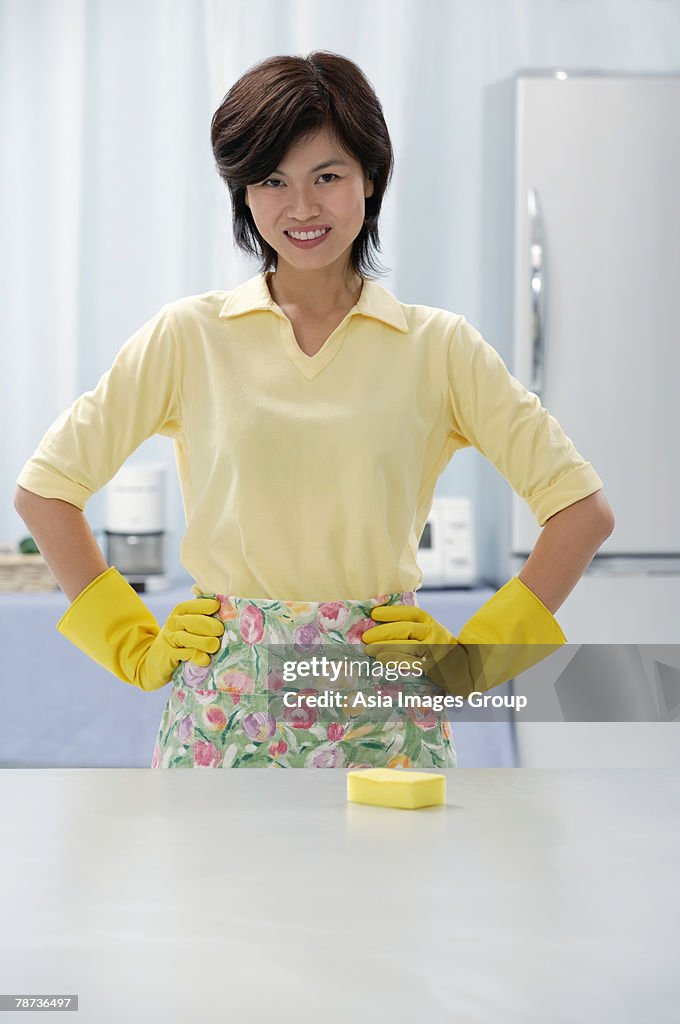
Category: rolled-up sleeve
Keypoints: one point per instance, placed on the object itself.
(492, 411)
(137, 397)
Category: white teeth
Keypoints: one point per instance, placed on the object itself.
(304, 235)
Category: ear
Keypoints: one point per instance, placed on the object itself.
(368, 191)
(245, 196)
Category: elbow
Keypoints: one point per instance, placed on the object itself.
(607, 530)
(25, 501)
(19, 498)
(604, 513)
(22, 500)
(608, 524)
(608, 520)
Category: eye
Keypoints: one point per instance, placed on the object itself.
(328, 174)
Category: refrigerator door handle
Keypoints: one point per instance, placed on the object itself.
(537, 291)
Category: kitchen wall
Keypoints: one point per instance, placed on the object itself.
(111, 206)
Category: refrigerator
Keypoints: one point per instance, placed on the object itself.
(581, 297)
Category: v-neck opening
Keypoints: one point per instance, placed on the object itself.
(311, 366)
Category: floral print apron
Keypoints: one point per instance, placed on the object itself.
(234, 713)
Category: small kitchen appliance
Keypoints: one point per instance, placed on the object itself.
(135, 525)
(446, 552)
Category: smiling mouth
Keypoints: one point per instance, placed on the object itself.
(291, 235)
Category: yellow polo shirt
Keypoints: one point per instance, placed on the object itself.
(308, 478)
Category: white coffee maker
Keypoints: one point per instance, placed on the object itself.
(135, 525)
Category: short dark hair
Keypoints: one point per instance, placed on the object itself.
(282, 100)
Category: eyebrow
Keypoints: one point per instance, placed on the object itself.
(319, 167)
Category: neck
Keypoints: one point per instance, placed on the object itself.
(319, 294)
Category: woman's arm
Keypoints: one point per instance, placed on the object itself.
(566, 547)
(64, 539)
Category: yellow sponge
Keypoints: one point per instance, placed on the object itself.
(394, 787)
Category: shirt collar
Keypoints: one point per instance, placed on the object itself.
(374, 301)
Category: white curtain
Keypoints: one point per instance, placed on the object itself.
(110, 205)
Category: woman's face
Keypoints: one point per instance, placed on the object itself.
(300, 194)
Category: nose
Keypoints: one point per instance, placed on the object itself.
(302, 205)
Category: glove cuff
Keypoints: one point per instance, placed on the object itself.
(548, 626)
(73, 610)
(514, 615)
(110, 623)
(509, 634)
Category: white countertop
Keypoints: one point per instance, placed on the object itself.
(263, 895)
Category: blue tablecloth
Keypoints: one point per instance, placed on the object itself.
(62, 710)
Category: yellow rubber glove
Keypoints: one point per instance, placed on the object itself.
(110, 623)
(510, 633)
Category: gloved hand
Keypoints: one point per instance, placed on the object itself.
(112, 625)
(510, 633)
(409, 633)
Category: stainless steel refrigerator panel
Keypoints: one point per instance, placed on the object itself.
(596, 296)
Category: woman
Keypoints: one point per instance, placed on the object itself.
(312, 413)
